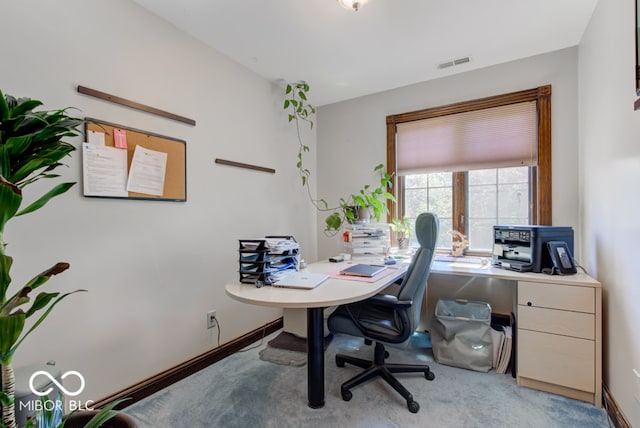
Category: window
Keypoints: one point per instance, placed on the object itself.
(430, 192)
(476, 164)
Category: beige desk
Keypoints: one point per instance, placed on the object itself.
(558, 321)
(332, 292)
(559, 329)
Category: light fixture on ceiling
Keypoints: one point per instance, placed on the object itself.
(354, 5)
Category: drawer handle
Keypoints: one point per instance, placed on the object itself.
(529, 304)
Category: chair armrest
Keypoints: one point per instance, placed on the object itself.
(390, 300)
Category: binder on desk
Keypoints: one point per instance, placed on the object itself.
(362, 269)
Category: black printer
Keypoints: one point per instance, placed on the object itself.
(524, 248)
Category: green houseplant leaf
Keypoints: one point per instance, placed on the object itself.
(57, 190)
(32, 146)
(104, 414)
(11, 198)
(11, 327)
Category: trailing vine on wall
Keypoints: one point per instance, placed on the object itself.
(301, 112)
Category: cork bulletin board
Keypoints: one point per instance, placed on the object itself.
(127, 163)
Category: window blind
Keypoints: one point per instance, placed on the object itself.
(495, 137)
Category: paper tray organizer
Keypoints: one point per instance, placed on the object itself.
(263, 263)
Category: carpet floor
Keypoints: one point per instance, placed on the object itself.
(244, 390)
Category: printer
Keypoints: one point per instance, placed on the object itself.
(524, 248)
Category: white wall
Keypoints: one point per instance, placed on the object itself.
(609, 177)
(153, 269)
(352, 134)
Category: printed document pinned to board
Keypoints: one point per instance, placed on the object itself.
(148, 169)
(105, 170)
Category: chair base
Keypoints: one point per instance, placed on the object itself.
(377, 367)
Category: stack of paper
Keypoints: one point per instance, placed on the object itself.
(498, 340)
(264, 261)
(281, 245)
(502, 344)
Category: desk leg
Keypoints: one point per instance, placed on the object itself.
(315, 357)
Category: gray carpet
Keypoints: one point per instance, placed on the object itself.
(288, 349)
(245, 391)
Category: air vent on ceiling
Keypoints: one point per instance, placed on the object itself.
(453, 62)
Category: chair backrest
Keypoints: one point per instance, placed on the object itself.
(415, 281)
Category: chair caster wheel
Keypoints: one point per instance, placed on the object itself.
(413, 406)
(347, 395)
(386, 354)
(339, 362)
(429, 376)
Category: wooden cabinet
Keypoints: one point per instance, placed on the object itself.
(559, 338)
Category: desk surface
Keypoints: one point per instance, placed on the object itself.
(339, 291)
(476, 269)
(330, 293)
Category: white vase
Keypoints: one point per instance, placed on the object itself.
(363, 215)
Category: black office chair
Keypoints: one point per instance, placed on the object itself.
(387, 318)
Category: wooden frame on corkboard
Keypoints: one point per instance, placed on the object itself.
(175, 179)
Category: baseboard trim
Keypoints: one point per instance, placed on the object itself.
(162, 380)
(615, 414)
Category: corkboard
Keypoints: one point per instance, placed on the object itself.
(175, 180)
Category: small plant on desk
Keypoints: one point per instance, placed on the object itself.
(403, 230)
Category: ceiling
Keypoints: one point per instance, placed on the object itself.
(386, 44)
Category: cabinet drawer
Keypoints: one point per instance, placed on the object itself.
(556, 296)
(558, 360)
(576, 324)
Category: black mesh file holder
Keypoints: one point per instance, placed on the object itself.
(260, 264)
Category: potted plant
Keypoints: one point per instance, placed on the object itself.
(403, 232)
(31, 148)
(105, 417)
(357, 207)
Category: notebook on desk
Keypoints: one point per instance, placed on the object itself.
(363, 270)
(305, 280)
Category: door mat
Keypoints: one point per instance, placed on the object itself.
(283, 357)
(291, 342)
(288, 349)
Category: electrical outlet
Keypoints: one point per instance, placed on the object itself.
(211, 319)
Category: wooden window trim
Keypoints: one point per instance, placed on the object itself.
(542, 180)
(459, 222)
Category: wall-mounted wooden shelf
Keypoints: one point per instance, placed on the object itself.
(245, 165)
(133, 104)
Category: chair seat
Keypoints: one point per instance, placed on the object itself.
(373, 318)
